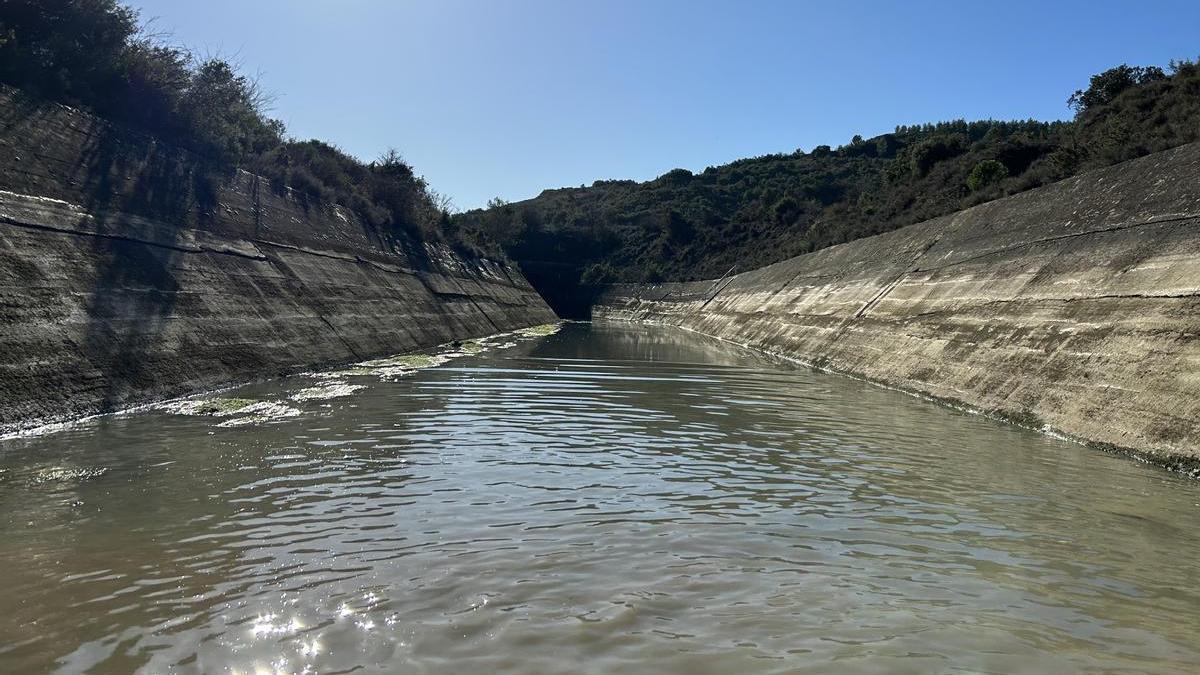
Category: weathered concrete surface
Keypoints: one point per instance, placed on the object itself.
(1075, 307)
(128, 275)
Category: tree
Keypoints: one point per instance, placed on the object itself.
(225, 113)
(70, 50)
(94, 54)
(676, 177)
(678, 229)
(986, 173)
(933, 150)
(155, 77)
(391, 164)
(785, 211)
(1106, 86)
(598, 274)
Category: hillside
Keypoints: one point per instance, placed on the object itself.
(127, 277)
(1071, 307)
(98, 55)
(752, 212)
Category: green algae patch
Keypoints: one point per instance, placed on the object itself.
(332, 390)
(386, 368)
(400, 365)
(260, 412)
(540, 331)
(412, 361)
(222, 406)
(392, 372)
(353, 371)
(216, 407)
(415, 361)
(241, 411)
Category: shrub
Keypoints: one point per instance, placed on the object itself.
(676, 177)
(1105, 87)
(93, 54)
(985, 173)
(785, 211)
(745, 213)
(933, 150)
(302, 181)
(598, 274)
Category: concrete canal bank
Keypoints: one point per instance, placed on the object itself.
(131, 272)
(1074, 307)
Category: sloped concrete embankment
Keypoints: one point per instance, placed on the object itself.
(129, 273)
(1074, 307)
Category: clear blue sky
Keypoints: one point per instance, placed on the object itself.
(507, 97)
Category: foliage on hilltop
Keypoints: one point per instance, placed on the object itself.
(756, 211)
(97, 55)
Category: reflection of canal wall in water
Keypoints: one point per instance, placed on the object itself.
(131, 272)
(1071, 308)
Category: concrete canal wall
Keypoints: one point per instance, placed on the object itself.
(1074, 307)
(130, 272)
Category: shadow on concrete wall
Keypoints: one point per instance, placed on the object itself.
(134, 290)
(131, 287)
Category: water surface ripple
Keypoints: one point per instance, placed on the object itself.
(608, 499)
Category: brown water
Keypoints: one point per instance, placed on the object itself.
(608, 499)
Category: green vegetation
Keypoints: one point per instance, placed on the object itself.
(218, 407)
(471, 347)
(354, 371)
(541, 330)
(96, 55)
(753, 212)
(1107, 86)
(986, 173)
(408, 361)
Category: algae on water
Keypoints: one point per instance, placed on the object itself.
(392, 372)
(392, 367)
(262, 411)
(407, 361)
(248, 411)
(242, 411)
(352, 371)
(217, 407)
(540, 331)
(331, 390)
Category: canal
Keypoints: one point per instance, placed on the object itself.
(602, 499)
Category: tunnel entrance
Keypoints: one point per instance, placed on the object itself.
(559, 285)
